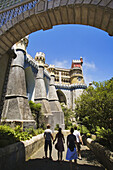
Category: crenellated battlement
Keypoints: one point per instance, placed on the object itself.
(40, 55)
(40, 58)
(78, 61)
(51, 66)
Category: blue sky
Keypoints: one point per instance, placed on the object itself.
(65, 43)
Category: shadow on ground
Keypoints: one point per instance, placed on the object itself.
(89, 156)
(46, 164)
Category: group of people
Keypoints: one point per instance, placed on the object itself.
(73, 141)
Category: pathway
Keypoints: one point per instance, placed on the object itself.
(37, 162)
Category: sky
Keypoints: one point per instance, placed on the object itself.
(65, 43)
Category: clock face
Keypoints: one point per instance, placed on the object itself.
(79, 78)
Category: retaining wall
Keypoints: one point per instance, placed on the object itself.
(104, 156)
(13, 155)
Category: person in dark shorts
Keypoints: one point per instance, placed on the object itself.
(71, 151)
(79, 141)
(60, 143)
(48, 141)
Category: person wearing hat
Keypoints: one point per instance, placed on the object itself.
(48, 141)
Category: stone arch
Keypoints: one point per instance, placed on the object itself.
(46, 14)
(61, 97)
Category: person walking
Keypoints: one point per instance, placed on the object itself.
(79, 141)
(48, 141)
(71, 151)
(60, 143)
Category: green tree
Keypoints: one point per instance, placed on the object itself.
(37, 114)
(68, 115)
(95, 108)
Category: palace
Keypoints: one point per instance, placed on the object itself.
(32, 79)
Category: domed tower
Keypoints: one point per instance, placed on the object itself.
(76, 72)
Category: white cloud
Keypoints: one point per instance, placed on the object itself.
(88, 79)
(62, 64)
(89, 71)
(90, 66)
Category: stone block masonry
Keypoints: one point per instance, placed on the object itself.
(102, 154)
(14, 155)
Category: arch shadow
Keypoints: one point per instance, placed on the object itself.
(46, 164)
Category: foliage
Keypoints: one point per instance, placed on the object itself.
(94, 108)
(68, 115)
(105, 137)
(37, 114)
(10, 135)
(7, 136)
(22, 135)
(57, 127)
(83, 130)
(34, 106)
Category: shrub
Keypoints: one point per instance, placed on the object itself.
(83, 129)
(9, 135)
(88, 135)
(57, 127)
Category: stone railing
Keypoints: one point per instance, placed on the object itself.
(16, 154)
(104, 156)
(13, 155)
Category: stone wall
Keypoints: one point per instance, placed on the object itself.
(13, 155)
(104, 156)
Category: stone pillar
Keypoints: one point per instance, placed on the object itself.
(53, 99)
(5, 63)
(16, 108)
(40, 89)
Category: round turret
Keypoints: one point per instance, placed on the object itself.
(51, 69)
(22, 44)
(40, 58)
(76, 72)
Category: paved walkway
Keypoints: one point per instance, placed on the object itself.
(37, 162)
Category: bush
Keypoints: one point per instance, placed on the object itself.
(57, 127)
(88, 135)
(9, 135)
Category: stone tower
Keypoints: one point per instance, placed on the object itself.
(76, 72)
(54, 101)
(40, 89)
(16, 108)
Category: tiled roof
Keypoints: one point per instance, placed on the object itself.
(8, 3)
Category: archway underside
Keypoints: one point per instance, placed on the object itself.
(47, 14)
(61, 97)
